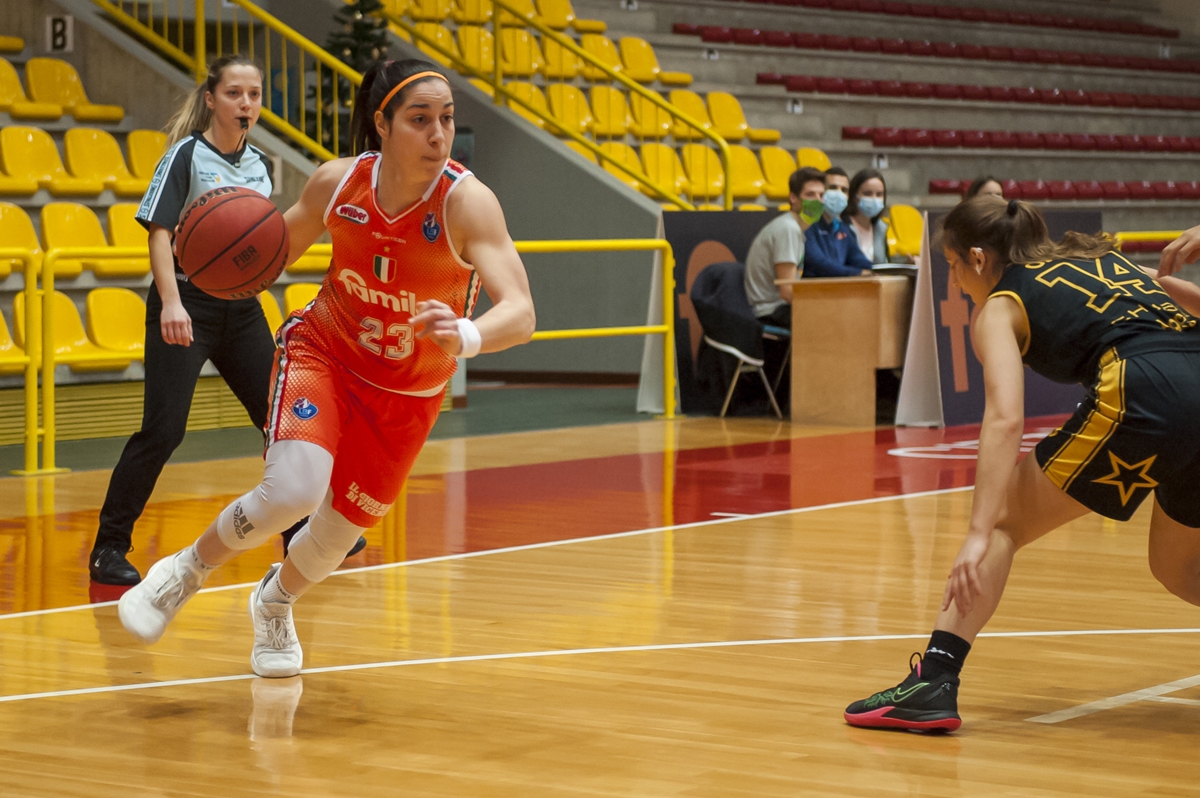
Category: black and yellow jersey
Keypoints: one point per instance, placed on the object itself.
(1079, 309)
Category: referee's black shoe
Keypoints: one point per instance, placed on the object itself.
(108, 566)
(288, 534)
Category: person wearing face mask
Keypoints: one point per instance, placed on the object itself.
(864, 215)
(777, 252)
(831, 248)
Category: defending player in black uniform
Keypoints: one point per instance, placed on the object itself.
(1073, 311)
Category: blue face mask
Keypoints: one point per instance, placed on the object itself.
(870, 206)
(835, 202)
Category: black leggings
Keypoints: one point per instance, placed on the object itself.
(234, 335)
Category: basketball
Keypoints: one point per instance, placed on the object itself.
(232, 242)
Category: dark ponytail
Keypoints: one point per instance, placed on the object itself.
(379, 79)
(1015, 232)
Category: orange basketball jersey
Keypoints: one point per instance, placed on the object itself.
(381, 268)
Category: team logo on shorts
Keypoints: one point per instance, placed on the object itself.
(353, 213)
(431, 228)
(303, 409)
(384, 268)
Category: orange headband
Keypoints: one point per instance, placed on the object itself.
(407, 81)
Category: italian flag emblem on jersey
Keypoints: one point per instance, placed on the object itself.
(385, 268)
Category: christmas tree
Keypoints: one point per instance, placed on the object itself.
(359, 40)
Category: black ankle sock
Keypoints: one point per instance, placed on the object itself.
(945, 653)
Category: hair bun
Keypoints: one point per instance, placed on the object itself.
(1013, 207)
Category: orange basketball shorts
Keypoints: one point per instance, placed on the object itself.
(374, 435)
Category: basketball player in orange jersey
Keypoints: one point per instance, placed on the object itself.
(361, 371)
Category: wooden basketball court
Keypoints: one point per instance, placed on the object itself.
(652, 609)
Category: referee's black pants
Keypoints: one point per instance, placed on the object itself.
(234, 335)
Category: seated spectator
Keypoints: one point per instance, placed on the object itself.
(864, 214)
(986, 185)
(777, 252)
(830, 248)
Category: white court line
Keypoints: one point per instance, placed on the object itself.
(401, 663)
(731, 515)
(543, 545)
(1148, 694)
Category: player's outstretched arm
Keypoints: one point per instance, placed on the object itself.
(476, 225)
(1184, 249)
(306, 219)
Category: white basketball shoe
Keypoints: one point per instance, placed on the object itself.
(147, 608)
(277, 653)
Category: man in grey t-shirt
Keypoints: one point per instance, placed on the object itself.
(778, 250)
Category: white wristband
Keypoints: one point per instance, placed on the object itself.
(468, 333)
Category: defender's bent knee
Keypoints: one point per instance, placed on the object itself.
(294, 480)
(319, 548)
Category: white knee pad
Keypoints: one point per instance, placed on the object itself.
(321, 545)
(295, 478)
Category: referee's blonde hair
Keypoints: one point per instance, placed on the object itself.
(195, 114)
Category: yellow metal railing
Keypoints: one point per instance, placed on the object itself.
(1139, 236)
(32, 343)
(501, 93)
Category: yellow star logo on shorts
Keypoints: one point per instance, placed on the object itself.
(1128, 478)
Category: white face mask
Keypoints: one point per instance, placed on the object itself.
(835, 201)
(870, 206)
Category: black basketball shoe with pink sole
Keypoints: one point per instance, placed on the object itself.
(918, 703)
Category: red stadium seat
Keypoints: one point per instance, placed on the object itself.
(891, 88)
(770, 79)
(1024, 55)
(1051, 97)
(1004, 140)
(1057, 141)
(974, 92)
(747, 36)
(1019, 18)
(811, 3)
(1067, 23)
(1076, 97)
(976, 138)
(998, 54)
(1139, 62)
(1167, 190)
(864, 44)
(1107, 142)
(946, 50)
(1178, 144)
(920, 47)
(870, 6)
(1099, 59)
(1141, 190)
(894, 46)
(1099, 98)
(946, 187)
(887, 137)
(1089, 190)
(1132, 143)
(972, 52)
(857, 133)
(918, 89)
(1011, 189)
(1162, 65)
(1034, 190)
(1030, 141)
(777, 38)
(1087, 23)
(918, 137)
(947, 12)
(1026, 94)
(1042, 20)
(1047, 56)
(1123, 100)
(867, 88)
(1068, 58)
(831, 41)
(947, 138)
(1189, 190)
(1004, 94)
(685, 29)
(1170, 102)
(897, 8)
(807, 41)
(1190, 103)
(804, 83)
(922, 10)
(1082, 141)
(997, 16)
(843, 5)
(1062, 190)
(1156, 143)
(974, 15)
(831, 85)
(716, 34)
(1146, 101)
(947, 91)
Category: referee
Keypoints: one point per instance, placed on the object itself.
(185, 326)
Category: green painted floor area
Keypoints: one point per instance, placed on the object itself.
(490, 411)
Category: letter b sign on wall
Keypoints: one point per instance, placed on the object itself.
(60, 34)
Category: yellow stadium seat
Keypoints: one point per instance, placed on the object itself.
(811, 156)
(270, 307)
(399, 32)
(648, 121)
(622, 152)
(602, 48)
(29, 154)
(745, 172)
(726, 114)
(309, 263)
(611, 112)
(532, 95)
(11, 355)
(52, 81)
(441, 36)
(583, 151)
(751, 206)
(570, 108)
(520, 55)
(560, 14)
(525, 12)
(71, 344)
(124, 230)
(641, 64)
(298, 295)
(559, 63)
(663, 167)
(395, 8)
(11, 44)
(690, 103)
(777, 167)
(472, 12)
(95, 153)
(116, 320)
(14, 101)
(709, 206)
(478, 48)
(909, 227)
(16, 230)
(429, 10)
(145, 147)
(69, 224)
(706, 178)
(483, 86)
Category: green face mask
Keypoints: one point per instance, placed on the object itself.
(811, 210)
